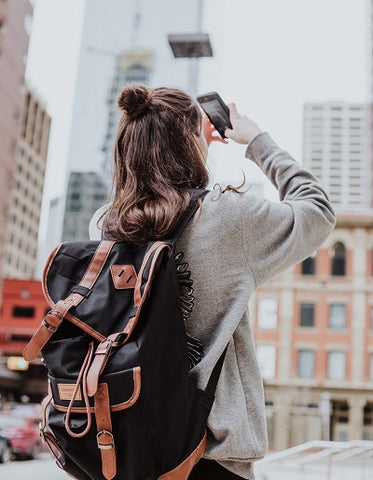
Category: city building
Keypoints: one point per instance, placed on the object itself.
(136, 50)
(313, 328)
(370, 95)
(131, 66)
(138, 39)
(53, 234)
(21, 240)
(23, 308)
(15, 25)
(86, 192)
(336, 147)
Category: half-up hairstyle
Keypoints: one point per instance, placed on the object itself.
(157, 160)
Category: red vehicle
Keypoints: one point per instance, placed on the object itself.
(23, 434)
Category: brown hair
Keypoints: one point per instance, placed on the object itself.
(157, 160)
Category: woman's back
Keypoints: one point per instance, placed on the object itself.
(235, 243)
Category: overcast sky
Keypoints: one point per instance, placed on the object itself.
(275, 56)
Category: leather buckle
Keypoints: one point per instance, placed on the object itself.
(104, 446)
(106, 350)
(47, 325)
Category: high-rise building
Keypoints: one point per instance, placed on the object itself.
(370, 99)
(131, 46)
(313, 329)
(31, 151)
(336, 147)
(85, 193)
(131, 66)
(131, 35)
(15, 25)
(53, 234)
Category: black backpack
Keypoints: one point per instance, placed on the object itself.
(116, 350)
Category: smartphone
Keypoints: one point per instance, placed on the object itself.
(217, 111)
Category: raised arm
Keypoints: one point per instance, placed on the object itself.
(276, 235)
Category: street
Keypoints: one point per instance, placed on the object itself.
(43, 468)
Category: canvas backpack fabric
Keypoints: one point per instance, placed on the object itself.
(121, 403)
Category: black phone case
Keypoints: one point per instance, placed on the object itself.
(221, 119)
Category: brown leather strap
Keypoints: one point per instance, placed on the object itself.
(116, 407)
(98, 261)
(100, 359)
(82, 379)
(50, 324)
(54, 318)
(182, 471)
(133, 321)
(46, 435)
(137, 293)
(44, 405)
(105, 439)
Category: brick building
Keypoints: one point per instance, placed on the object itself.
(23, 308)
(313, 327)
(15, 24)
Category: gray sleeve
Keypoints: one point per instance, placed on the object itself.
(276, 235)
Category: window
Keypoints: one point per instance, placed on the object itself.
(306, 363)
(368, 414)
(23, 312)
(267, 313)
(308, 266)
(340, 411)
(307, 314)
(336, 365)
(20, 338)
(337, 316)
(339, 260)
(266, 355)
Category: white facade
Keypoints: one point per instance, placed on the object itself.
(336, 148)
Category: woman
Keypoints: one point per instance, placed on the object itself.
(236, 243)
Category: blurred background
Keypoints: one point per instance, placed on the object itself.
(303, 71)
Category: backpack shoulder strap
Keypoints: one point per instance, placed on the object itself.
(215, 374)
(194, 204)
(195, 196)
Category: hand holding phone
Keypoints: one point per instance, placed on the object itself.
(216, 110)
(244, 130)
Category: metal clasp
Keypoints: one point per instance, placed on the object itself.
(105, 446)
(47, 325)
(106, 350)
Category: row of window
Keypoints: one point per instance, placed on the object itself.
(336, 364)
(267, 318)
(335, 368)
(338, 266)
(25, 312)
(336, 319)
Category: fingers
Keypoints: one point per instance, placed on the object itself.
(228, 133)
(220, 139)
(233, 113)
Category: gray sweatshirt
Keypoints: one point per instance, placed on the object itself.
(235, 243)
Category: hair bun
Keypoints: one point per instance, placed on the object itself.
(134, 100)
